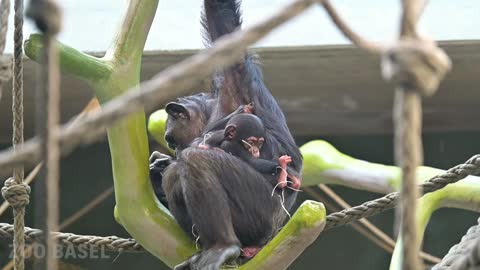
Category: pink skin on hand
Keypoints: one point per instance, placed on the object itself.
(282, 177)
(248, 108)
(295, 182)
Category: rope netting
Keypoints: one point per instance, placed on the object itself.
(464, 255)
(414, 64)
(453, 175)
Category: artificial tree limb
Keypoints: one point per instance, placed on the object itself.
(87, 67)
(425, 208)
(137, 208)
(463, 194)
(301, 230)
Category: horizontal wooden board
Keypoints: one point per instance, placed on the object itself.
(324, 90)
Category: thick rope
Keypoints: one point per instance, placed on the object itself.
(408, 156)
(416, 66)
(47, 17)
(15, 191)
(5, 62)
(111, 243)
(17, 96)
(453, 175)
(407, 118)
(464, 255)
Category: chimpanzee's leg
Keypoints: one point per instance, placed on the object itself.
(174, 195)
(228, 201)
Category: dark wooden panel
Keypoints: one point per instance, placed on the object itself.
(324, 90)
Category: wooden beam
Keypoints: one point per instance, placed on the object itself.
(324, 90)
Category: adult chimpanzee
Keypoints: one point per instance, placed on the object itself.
(227, 201)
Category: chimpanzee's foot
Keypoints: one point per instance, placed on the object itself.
(210, 259)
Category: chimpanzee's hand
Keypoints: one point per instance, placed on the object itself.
(158, 164)
(248, 108)
(244, 109)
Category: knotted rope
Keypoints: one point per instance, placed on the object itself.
(17, 195)
(15, 191)
(416, 67)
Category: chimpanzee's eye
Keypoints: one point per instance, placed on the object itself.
(246, 144)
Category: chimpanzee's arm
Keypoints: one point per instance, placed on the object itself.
(275, 168)
(264, 166)
(220, 124)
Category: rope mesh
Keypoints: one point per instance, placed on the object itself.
(464, 255)
(453, 175)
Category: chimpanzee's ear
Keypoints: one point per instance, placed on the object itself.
(177, 110)
(230, 132)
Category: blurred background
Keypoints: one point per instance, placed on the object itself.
(328, 90)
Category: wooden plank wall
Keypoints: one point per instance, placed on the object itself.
(324, 90)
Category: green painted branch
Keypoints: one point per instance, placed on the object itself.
(326, 165)
(137, 208)
(425, 208)
(303, 228)
(463, 195)
(127, 47)
(72, 61)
